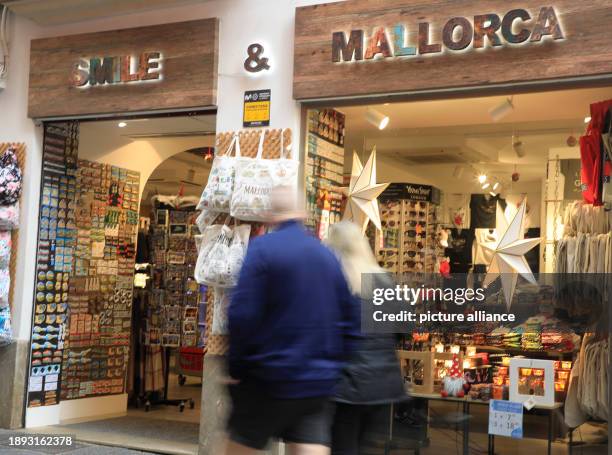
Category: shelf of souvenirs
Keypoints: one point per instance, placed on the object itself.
(327, 124)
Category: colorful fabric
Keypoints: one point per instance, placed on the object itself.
(10, 178)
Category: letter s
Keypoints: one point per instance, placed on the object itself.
(79, 75)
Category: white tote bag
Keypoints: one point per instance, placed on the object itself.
(220, 260)
(204, 243)
(255, 179)
(217, 194)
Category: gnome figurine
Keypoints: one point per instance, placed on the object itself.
(453, 383)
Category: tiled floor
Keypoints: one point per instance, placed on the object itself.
(163, 429)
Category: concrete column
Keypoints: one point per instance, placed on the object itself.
(13, 359)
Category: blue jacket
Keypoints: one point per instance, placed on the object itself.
(292, 319)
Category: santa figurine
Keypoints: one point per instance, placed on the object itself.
(452, 384)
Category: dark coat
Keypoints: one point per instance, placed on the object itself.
(292, 319)
(372, 375)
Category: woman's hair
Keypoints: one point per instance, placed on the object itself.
(353, 250)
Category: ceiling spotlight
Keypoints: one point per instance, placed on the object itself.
(517, 146)
(121, 124)
(501, 110)
(486, 185)
(482, 178)
(376, 118)
(587, 119)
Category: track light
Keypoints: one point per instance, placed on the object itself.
(376, 118)
(482, 178)
(501, 110)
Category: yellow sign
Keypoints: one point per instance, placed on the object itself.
(256, 110)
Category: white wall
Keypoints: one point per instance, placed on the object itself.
(242, 22)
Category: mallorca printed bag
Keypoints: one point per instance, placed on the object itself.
(204, 243)
(10, 178)
(255, 179)
(222, 263)
(217, 194)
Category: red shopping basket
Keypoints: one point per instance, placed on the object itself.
(191, 361)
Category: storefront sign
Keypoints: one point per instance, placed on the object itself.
(121, 71)
(457, 35)
(361, 48)
(411, 192)
(255, 62)
(256, 108)
(117, 70)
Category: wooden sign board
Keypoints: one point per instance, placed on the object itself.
(169, 66)
(368, 47)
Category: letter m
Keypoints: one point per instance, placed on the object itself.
(101, 71)
(343, 51)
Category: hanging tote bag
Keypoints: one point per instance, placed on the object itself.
(10, 178)
(256, 178)
(205, 242)
(6, 334)
(223, 261)
(217, 194)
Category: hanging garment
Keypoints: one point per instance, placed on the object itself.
(591, 156)
(483, 209)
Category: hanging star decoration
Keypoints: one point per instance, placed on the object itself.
(508, 261)
(362, 205)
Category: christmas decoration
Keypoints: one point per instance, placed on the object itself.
(362, 205)
(508, 260)
(452, 385)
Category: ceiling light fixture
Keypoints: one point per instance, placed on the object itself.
(587, 119)
(495, 186)
(121, 124)
(486, 185)
(501, 110)
(376, 118)
(492, 193)
(482, 178)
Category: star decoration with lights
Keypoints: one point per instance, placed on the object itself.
(509, 251)
(362, 205)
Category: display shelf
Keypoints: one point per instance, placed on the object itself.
(314, 155)
(520, 351)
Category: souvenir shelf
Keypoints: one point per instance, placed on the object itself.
(407, 242)
(324, 170)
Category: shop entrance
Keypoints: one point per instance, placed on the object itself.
(117, 235)
(450, 164)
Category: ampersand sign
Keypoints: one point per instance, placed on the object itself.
(254, 63)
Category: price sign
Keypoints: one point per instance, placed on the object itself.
(506, 418)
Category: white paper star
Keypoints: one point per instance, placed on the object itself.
(508, 260)
(363, 190)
